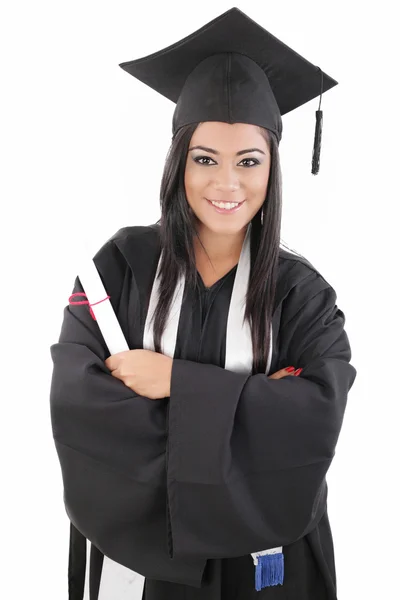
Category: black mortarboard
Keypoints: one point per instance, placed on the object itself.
(235, 71)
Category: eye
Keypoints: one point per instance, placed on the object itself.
(199, 158)
(255, 161)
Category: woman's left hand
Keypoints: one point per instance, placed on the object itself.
(147, 373)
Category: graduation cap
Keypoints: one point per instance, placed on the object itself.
(233, 70)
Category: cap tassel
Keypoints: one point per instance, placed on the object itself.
(318, 133)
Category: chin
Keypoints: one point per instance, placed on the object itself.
(225, 225)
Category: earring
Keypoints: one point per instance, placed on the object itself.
(262, 215)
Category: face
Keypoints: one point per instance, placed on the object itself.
(226, 163)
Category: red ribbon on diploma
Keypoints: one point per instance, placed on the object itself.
(86, 302)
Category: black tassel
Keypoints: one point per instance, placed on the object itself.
(317, 142)
(318, 133)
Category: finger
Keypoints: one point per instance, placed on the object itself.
(113, 361)
(110, 363)
(283, 373)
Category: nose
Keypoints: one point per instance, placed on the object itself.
(226, 179)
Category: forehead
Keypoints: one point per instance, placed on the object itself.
(228, 136)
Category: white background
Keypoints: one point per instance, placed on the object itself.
(82, 151)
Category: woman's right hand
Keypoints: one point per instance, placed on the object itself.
(285, 372)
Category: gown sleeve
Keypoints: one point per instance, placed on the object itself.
(111, 442)
(92, 411)
(248, 455)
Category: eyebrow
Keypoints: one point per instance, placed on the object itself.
(212, 151)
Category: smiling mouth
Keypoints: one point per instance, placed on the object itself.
(225, 201)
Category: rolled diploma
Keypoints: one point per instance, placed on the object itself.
(104, 312)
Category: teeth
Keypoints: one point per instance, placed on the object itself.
(226, 205)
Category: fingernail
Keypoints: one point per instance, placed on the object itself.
(297, 372)
(289, 369)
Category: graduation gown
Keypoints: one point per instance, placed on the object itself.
(183, 489)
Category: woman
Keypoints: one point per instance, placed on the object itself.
(198, 458)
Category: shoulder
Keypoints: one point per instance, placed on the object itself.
(127, 258)
(130, 245)
(133, 235)
(135, 232)
(297, 267)
(299, 281)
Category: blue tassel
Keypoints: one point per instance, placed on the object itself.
(269, 570)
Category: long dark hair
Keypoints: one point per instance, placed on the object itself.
(177, 228)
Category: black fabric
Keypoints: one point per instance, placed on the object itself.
(111, 442)
(96, 568)
(182, 489)
(76, 564)
(233, 579)
(269, 443)
(231, 70)
(208, 294)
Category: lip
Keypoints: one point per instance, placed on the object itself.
(224, 201)
(224, 211)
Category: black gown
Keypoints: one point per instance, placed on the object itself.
(148, 483)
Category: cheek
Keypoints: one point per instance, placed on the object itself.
(195, 180)
(258, 183)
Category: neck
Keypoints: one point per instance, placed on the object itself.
(221, 248)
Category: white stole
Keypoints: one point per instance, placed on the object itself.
(239, 349)
(116, 578)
